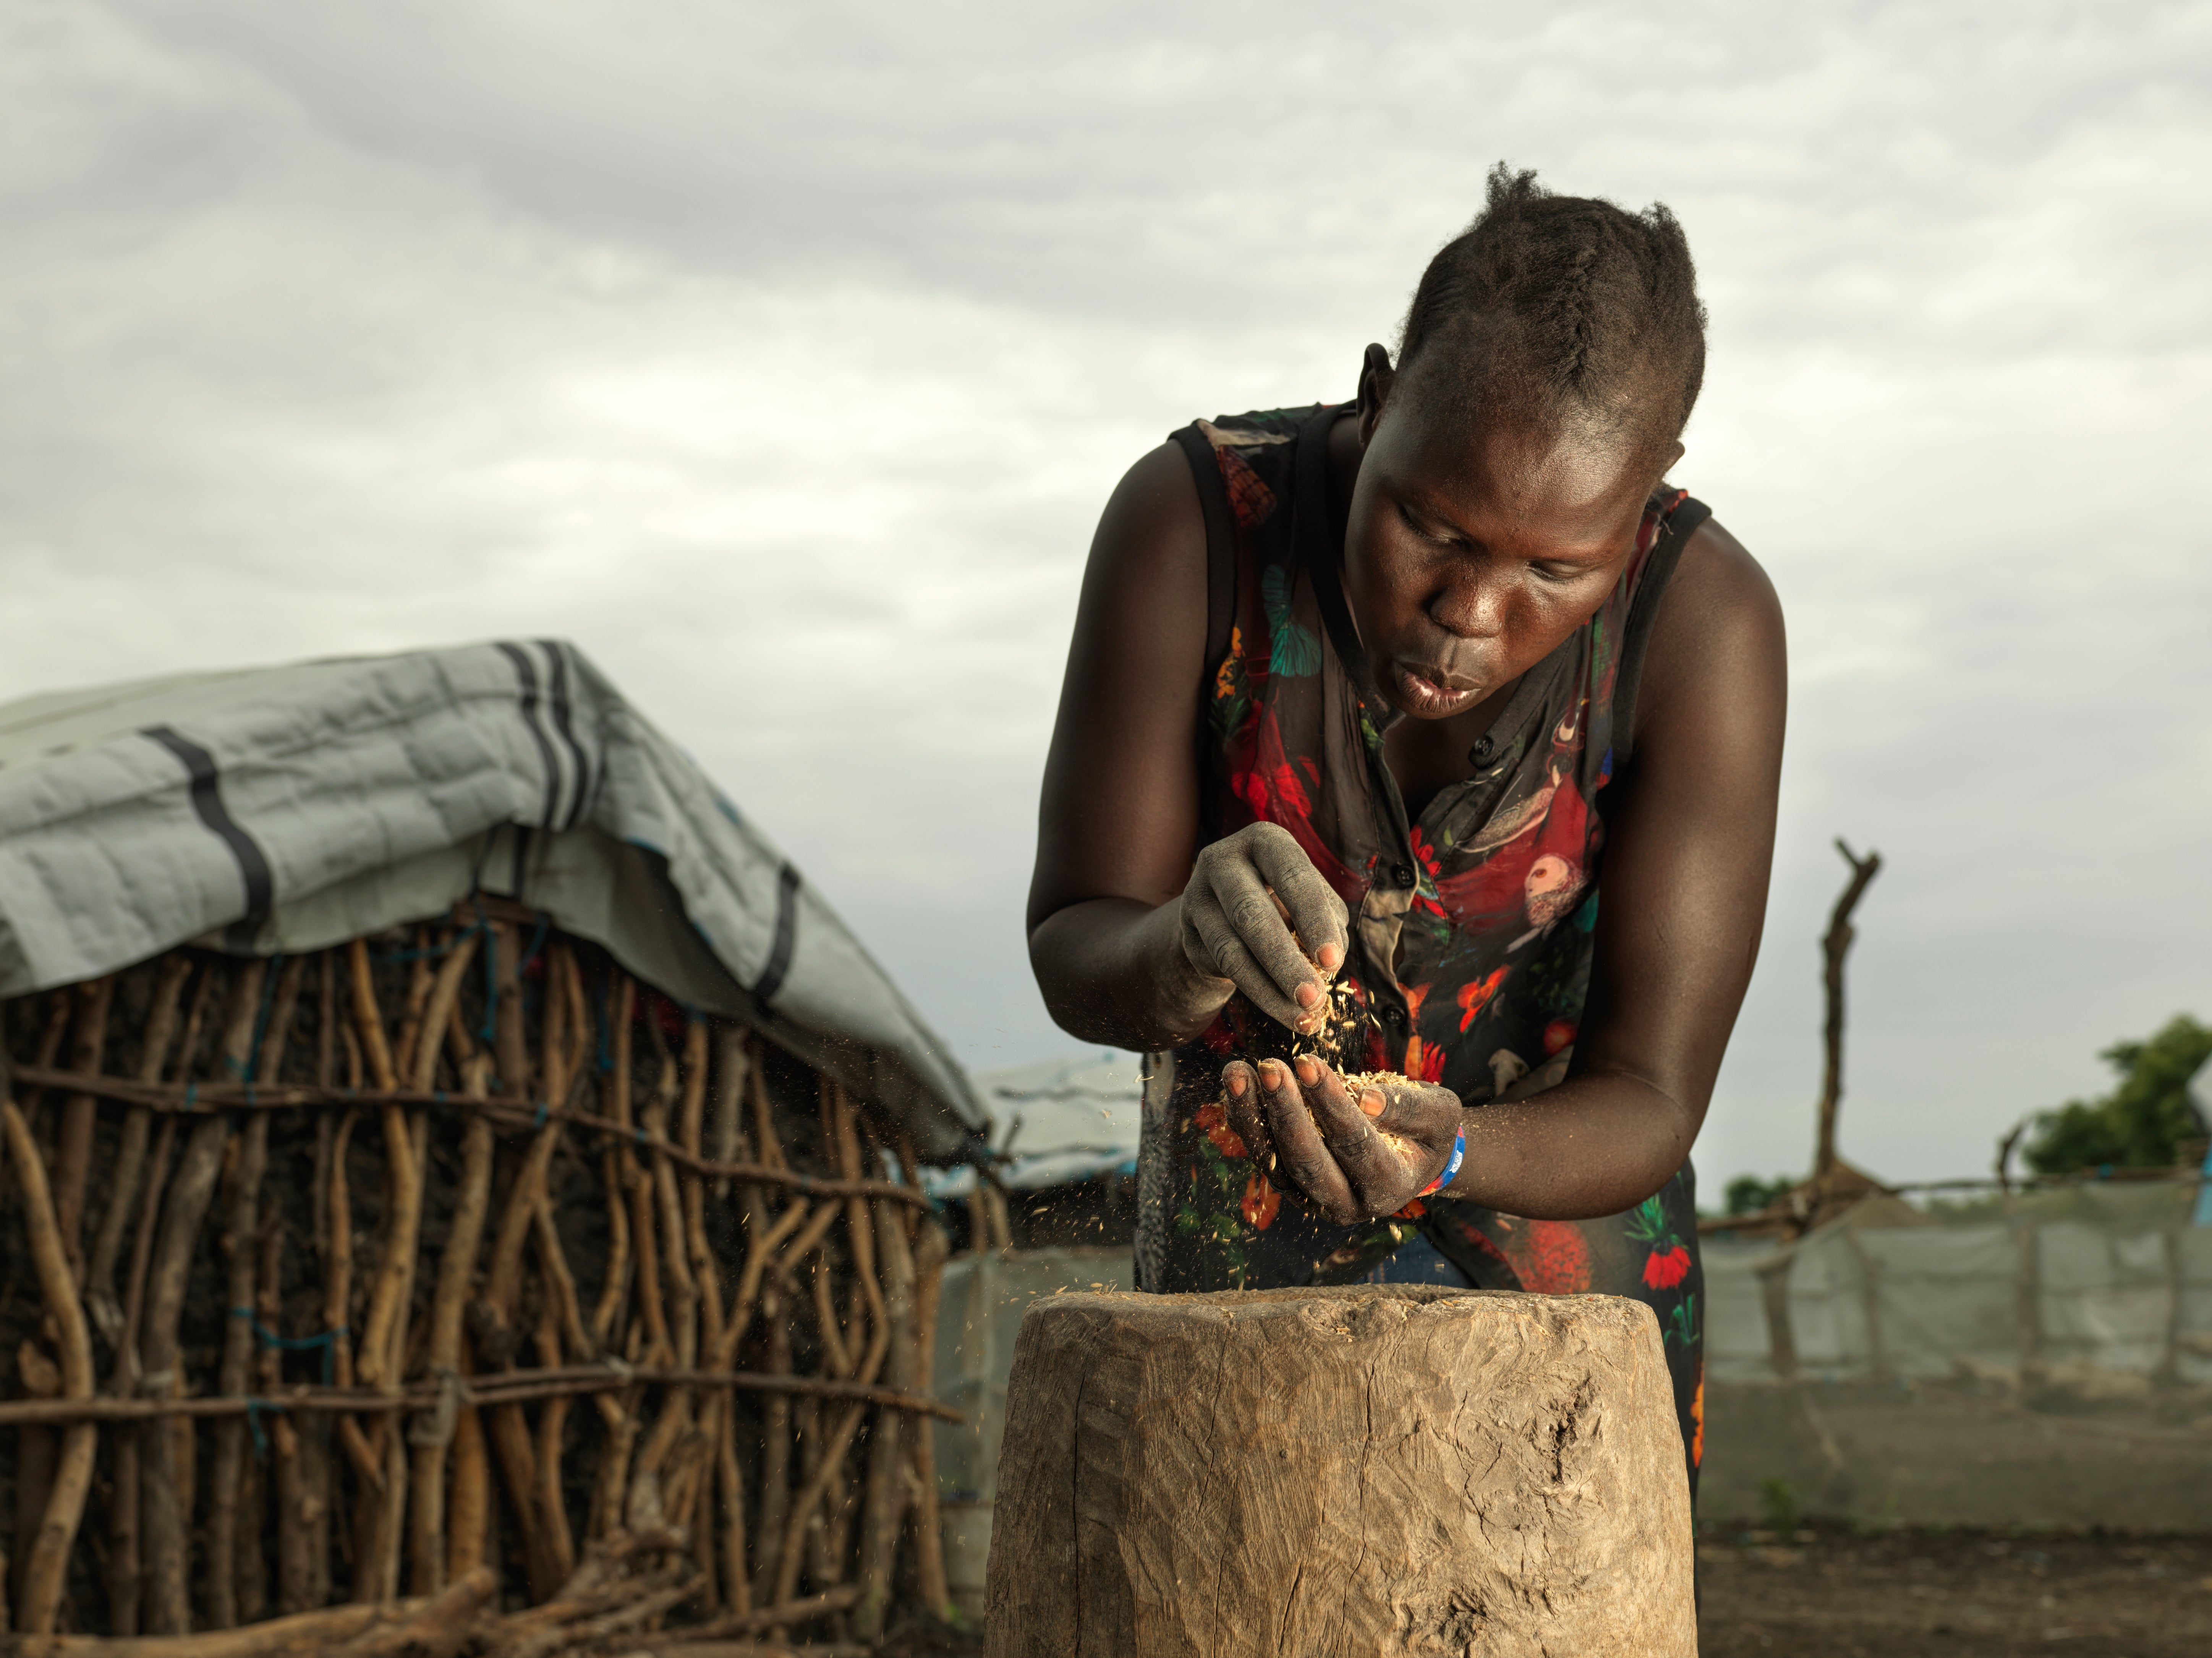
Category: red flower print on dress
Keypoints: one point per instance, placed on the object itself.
(1270, 793)
(1424, 895)
(1426, 852)
(1473, 997)
(1550, 1257)
(1261, 1202)
(1558, 1035)
(1269, 787)
(1669, 1261)
(1425, 1061)
(1698, 1416)
(1224, 677)
(1215, 1121)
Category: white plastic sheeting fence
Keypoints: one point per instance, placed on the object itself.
(2044, 1364)
(2044, 1360)
(978, 1316)
(1869, 1298)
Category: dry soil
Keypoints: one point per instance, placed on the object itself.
(1830, 1592)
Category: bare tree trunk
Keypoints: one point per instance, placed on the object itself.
(1835, 946)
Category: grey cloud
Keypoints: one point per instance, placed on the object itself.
(784, 355)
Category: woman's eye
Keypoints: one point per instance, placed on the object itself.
(1423, 531)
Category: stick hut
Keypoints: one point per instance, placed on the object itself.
(449, 1289)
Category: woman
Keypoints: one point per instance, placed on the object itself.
(1366, 707)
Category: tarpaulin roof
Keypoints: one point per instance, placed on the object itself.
(1056, 1122)
(291, 808)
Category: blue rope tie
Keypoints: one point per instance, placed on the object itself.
(253, 1409)
(260, 1023)
(268, 1338)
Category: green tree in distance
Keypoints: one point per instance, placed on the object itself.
(1747, 1194)
(2137, 1125)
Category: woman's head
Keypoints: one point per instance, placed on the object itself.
(1549, 362)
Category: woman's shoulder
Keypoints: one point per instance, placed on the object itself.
(1718, 579)
(1719, 617)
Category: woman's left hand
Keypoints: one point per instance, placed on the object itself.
(1355, 1158)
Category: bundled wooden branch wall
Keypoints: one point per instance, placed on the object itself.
(422, 1266)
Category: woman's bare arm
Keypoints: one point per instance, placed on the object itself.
(1137, 935)
(1118, 824)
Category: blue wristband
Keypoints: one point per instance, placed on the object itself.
(1451, 1168)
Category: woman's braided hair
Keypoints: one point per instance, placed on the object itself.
(1592, 308)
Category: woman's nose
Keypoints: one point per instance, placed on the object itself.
(1472, 607)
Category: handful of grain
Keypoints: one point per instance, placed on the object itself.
(1360, 1082)
(1408, 1151)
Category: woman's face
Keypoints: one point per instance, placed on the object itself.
(1476, 545)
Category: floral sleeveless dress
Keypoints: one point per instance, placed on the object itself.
(1472, 926)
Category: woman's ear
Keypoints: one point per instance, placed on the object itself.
(1376, 378)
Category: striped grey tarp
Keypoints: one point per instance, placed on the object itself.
(287, 809)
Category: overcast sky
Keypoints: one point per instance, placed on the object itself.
(782, 356)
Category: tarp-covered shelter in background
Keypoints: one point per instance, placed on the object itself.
(405, 1051)
(287, 809)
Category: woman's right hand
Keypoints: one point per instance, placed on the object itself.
(1256, 916)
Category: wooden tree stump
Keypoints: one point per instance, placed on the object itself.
(1368, 1470)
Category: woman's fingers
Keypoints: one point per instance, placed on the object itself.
(1310, 905)
(1244, 901)
(1380, 1167)
(1356, 1151)
(1422, 1111)
(1302, 1155)
(1240, 1088)
(1221, 950)
(1258, 913)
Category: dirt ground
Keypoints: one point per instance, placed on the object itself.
(1833, 1593)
